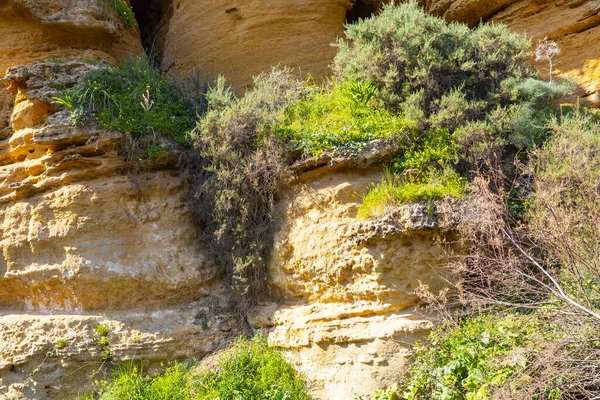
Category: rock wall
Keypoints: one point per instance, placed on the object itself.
(242, 39)
(345, 302)
(84, 239)
(86, 242)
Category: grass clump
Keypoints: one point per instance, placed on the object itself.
(389, 193)
(251, 370)
(248, 370)
(342, 115)
(132, 97)
(425, 172)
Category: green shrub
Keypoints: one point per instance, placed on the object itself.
(249, 370)
(469, 94)
(469, 360)
(342, 115)
(404, 50)
(240, 163)
(133, 98)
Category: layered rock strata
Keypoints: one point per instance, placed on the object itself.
(346, 306)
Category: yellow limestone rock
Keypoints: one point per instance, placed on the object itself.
(242, 39)
(345, 305)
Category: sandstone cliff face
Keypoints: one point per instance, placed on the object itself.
(242, 39)
(345, 305)
(85, 241)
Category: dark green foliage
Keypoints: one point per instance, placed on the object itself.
(533, 110)
(469, 93)
(404, 50)
(133, 98)
(250, 370)
(241, 162)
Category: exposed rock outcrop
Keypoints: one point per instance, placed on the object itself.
(85, 242)
(346, 306)
(242, 39)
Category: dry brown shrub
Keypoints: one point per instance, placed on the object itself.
(544, 261)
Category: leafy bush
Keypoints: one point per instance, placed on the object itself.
(249, 370)
(133, 98)
(234, 180)
(469, 360)
(543, 257)
(469, 93)
(344, 114)
(404, 50)
(564, 206)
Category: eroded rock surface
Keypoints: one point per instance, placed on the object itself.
(86, 240)
(346, 304)
(242, 39)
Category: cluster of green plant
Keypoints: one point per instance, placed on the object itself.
(424, 172)
(341, 115)
(468, 93)
(390, 393)
(103, 342)
(122, 9)
(469, 360)
(249, 370)
(241, 161)
(252, 371)
(405, 52)
(132, 97)
(390, 193)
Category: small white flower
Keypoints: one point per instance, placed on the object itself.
(147, 103)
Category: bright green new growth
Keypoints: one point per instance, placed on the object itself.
(466, 362)
(343, 115)
(132, 97)
(389, 193)
(250, 370)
